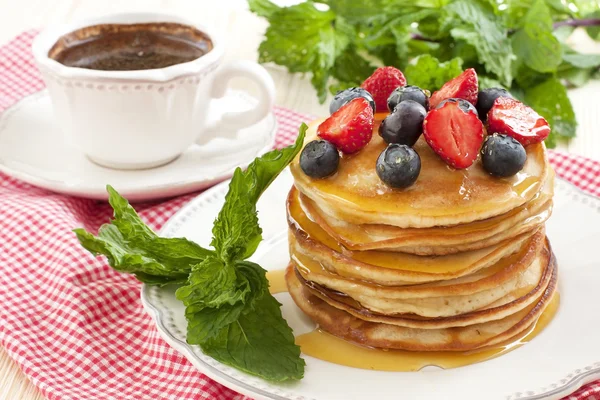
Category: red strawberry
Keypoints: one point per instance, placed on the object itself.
(463, 86)
(454, 132)
(513, 118)
(382, 83)
(350, 128)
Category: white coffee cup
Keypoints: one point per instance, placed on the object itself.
(146, 118)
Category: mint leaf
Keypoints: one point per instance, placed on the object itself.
(485, 82)
(539, 49)
(550, 100)
(260, 342)
(349, 70)
(228, 307)
(236, 233)
(428, 72)
(593, 31)
(483, 30)
(576, 76)
(580, 60)
(216, 295)
(358, 11)
(227, 299)
(131, 246)
(263, 8)
(213, 283)
(304, 39)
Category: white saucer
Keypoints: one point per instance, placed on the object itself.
(33, 149)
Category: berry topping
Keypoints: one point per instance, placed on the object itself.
(382, 83)
(502, 155)
(515, 119)
(454, 132)
(463, 86)
(408, 92)
(486, 98)
(350, 128)
(319, 159)
(345, 96)
(398, 166)
(404, 125)
(462, 104)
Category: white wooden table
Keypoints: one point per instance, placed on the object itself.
(242, 32)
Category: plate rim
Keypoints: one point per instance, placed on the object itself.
(147, 193)
(565, 386)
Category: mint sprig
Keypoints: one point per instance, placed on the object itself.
(228, 307)
(517, 44)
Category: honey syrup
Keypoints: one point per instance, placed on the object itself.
(326, 347)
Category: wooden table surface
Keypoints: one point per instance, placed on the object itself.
(242, 32)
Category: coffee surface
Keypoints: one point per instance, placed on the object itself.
(129, 47)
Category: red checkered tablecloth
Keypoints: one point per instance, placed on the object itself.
(76, 327)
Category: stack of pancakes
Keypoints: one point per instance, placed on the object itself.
(458, 261)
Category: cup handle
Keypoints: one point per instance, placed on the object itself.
(230, 122)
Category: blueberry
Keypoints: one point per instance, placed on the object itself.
(462, 104)
(319, 159)
(486, 98)
(345, 96)
(405, 124)
(409, 92)
(502, 156)
(398, 165)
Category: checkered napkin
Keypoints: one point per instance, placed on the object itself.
(76, 327)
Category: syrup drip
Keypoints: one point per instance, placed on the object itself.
(277, 281)
(326, 347)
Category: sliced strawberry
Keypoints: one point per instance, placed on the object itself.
(513, 118)
(454, 132)
(350, 128)
(464, 86)
(382, 83)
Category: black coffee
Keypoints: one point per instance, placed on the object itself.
(129, 47)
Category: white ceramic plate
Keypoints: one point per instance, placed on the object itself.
(33, 149)
(557, 362)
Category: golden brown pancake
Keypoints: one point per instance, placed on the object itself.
(514, 301)
(518, 273)
(382, 335)
(390, 268)
(434, 240)
(441, 196)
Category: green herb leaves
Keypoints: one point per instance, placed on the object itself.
(259, 342)
(427, 72)
(550, 100)
(225, 295)
(534, 43)
(516, 44)
(236, 233)
(132, 247)
(481, 28)
(304, 39)
(228, 307)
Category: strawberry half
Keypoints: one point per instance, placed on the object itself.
(513, 118)
(454, 132)
(464, 86)
(382, 83)
(350, 128)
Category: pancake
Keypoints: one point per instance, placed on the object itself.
(382, 335)
(517, 274)
(516, 300)
(390, 268)
(441, 196)
(435, 240)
